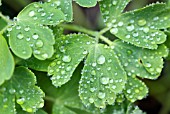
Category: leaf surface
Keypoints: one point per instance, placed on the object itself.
(86, 3)
(22, 90)
(95, 78)
(27, 38)
(6, 61)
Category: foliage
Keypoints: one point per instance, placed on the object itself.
(88, 72)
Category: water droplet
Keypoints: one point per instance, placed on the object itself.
(101, 59)
(12, 91)
(114, 2)
(91, 100)
(66, 58)
(85, 52)
(39, 43)
(21, 101)
(104, 80)
(27, 28)
(130, 28)
(101, 95)
(20, 36)
(18, 27)
(29, 110)
(31, 13)
(148, 65)
(127, 36)
(120, 24)
(141, 22)
(93, 72)
(92, 89)
(94, 64)
(43, 14)
(45, 55)
(35, 36)
(68, 68)
(114, 30)
(9, 29)
(62, 49)
(145, 29)
(37, 52)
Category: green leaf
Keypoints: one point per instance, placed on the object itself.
(140, 62)
(140, 27)
(95, 78)
(135, 89)
(3, 23)
(27, 37)
(102, 77)
(86, 3)
(0, 2)
(66, 61)
(22, 90)
(167, 43)
(35, 64)
(6, 61)
(112, 8)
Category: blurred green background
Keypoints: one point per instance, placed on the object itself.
(158, 100)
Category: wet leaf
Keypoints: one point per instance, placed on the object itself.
(22, 90)
(86, 3)
(141, 27)
(27, 38)
(95, 78)
(140, 62)
(33, 63)
(6, 61)
(112, 8)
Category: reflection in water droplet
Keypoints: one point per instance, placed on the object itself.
(101, 59)
(20, 101)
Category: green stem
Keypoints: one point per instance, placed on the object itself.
(79, 29)
(89, 32)
(48, 98)
(8, 23)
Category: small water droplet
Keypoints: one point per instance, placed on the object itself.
(20, 36)
(104, 80)
(68, 68)
(130, 28)
(20, 101)
(114, 2)
(101, 95)
(93, 72)
(18, 27)
(45, 55)
(85, 52)
(29, 110)
(35, 36)
(66, 58)
(12, 91)
(145, 29)
(114, 30)
(101, 59)
(27, 28)
(62, 49)
(91, 100)
(39, 43)
(31, 13)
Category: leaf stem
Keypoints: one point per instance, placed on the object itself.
(8, 21)
(89, 32)
(48, 98)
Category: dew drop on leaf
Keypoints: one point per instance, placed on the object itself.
(35, 36)
(20, 36)
(27, 29)
(20, 101)
(141, 22)
(101, 95)
(66, 58)
(12, 91)
(130, 28)
(114, 30)
(104, 80)
(91, 100)
(31, 13)
(39, 43)
(101, 59)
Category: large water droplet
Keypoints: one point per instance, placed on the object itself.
(20, 36)
(31, 13)
(101, 95)
(104, 80)
(141, 22)
(39, 43)
(101, 59)
(66, 58)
